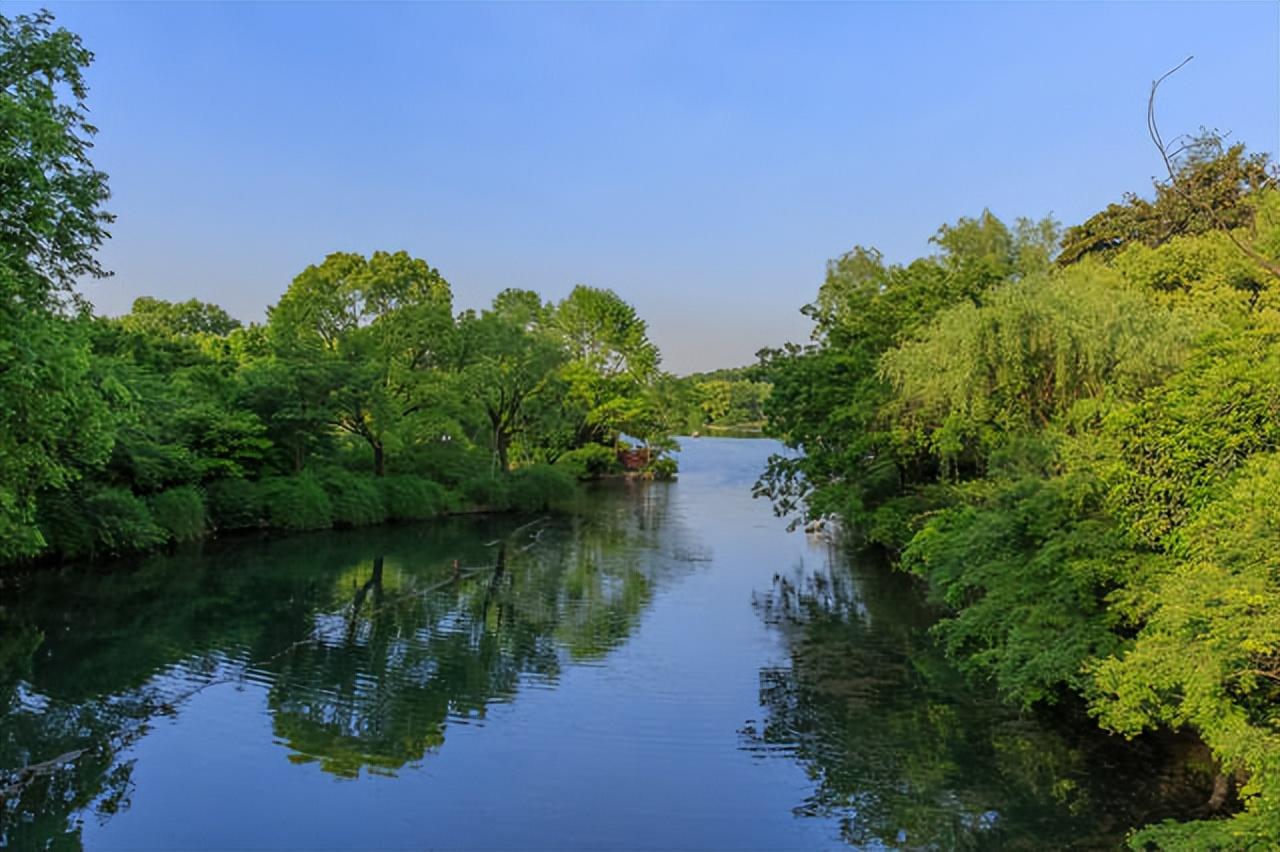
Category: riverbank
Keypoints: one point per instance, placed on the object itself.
(106, 524)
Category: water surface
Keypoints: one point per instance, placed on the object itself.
(669, 669)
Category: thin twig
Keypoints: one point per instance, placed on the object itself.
(1154, 131)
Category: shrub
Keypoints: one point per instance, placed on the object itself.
(408, 498)
(122, 523)
(663, 468)
(296, 503)
(64, 524)
(356, 500)
(539, 487)
(234, 504)
(446, 462)
(487, 492)
(180, 512)
(589, 461)
(110, 522)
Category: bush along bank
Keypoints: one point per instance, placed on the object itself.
(92, 523)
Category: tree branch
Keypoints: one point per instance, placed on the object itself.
(1168, 158)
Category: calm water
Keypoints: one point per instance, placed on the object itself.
(671, 669)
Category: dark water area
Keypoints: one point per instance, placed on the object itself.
(669, 669)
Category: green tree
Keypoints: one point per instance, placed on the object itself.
(51, 216)
(53, 421)
(1211, 188)
(372, 330)
(827, 397)
(610, 360)
(1034, 349)
(1208, 656)
(178, 319)
(507, 359)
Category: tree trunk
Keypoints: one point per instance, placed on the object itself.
(1221, 789)
(379, 460)
(501, 438)
(374, 584)
(501, 441)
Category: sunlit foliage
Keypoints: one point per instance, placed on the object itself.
(1076, 451)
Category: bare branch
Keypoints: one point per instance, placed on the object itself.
(1154, 131)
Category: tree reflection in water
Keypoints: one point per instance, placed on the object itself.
(369, 642)
(904, 752)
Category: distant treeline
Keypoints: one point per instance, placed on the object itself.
(1074, 437)
(363, 397)
(730, 399)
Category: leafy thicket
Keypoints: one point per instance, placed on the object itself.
(1077, 450)
(589, 461)
(234, 504)
(540, 487)
(90, 522)
(487, 491)
(363, 398)
(1208, 652)
(412, 498)
(180, 512)
(355, 500)
(296, 503)
(730, 399)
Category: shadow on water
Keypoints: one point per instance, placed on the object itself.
(369, 643)
(906, 753)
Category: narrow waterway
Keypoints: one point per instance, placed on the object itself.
(668, 669)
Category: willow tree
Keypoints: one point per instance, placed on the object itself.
(977, 375)
(372, 331)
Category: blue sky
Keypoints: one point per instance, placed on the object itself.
(702, 160)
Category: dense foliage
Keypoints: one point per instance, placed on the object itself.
(363, 398)
(1074, 444)
(730, 400)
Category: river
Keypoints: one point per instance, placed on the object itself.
(670, 668)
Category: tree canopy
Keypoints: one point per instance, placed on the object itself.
(1073, 449)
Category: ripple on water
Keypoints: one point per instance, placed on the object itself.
(670, 669)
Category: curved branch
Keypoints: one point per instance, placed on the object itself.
(1154, 131)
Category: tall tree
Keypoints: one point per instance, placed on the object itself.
(178, 319)
(611, 360)
(52, 420)
(372, 329)
(507, 359)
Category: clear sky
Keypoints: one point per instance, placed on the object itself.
(702, 160)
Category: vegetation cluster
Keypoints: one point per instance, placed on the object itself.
(729, 401)
(1073, 437)
(364, 397)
